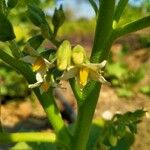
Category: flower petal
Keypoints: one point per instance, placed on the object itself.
(96, 66)
(28, 59)
(103, 80)
(39, 77)
(37, 84)
(70, 73)
(39, 64)
(48, 64)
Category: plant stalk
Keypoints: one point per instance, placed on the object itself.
(46, 99)
(132, 27)
(28, 137)
(91, 93)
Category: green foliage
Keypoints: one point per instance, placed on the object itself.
(123, 78)
(6, 29)
(144, 41)
(145, 90)
(11, 83)
(36, 15)
(130, 13)
(94, 5)
(12, 3)
(35, 41)
(124, 143)
(38, 18)
(116, 133)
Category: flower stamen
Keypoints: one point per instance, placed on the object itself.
(83, 76)
(39, 64)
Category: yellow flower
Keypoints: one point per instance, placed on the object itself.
(85, 72)
(40, 65)
(44, 82)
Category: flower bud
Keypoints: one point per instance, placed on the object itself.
(58, 17)
(64, 55)
(78, 55)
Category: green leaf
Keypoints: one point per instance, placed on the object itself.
(6, 29)
(119, 9)
(36, 15)
(95, 133)
(94, 5)
(124, 143)
(3, 7)
(12, 3)
(113, 140)
(49, 54)
(36, 41)
(38, 18)
(45, 30)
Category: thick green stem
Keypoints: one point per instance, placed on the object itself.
(84, 119)
(132, 27)
(91, 93)
(46, 99)
(28, 137)
(103, 30)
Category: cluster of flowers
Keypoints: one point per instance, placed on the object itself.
(71, 62)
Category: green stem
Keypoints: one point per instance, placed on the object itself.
(14, 49)
(76, 89)
(132, 27)
(119, 9)
(91, 93)
(84, 120)
(103, 29)
(28, 137)
(48, 102)
(46, 99)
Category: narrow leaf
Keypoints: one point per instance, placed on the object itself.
(119, 9)
(93, 4)
(36, 15)
(6, 29)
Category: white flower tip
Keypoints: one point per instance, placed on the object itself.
(34, 85)
(103, 63)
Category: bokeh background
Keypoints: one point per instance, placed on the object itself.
(128, 69)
